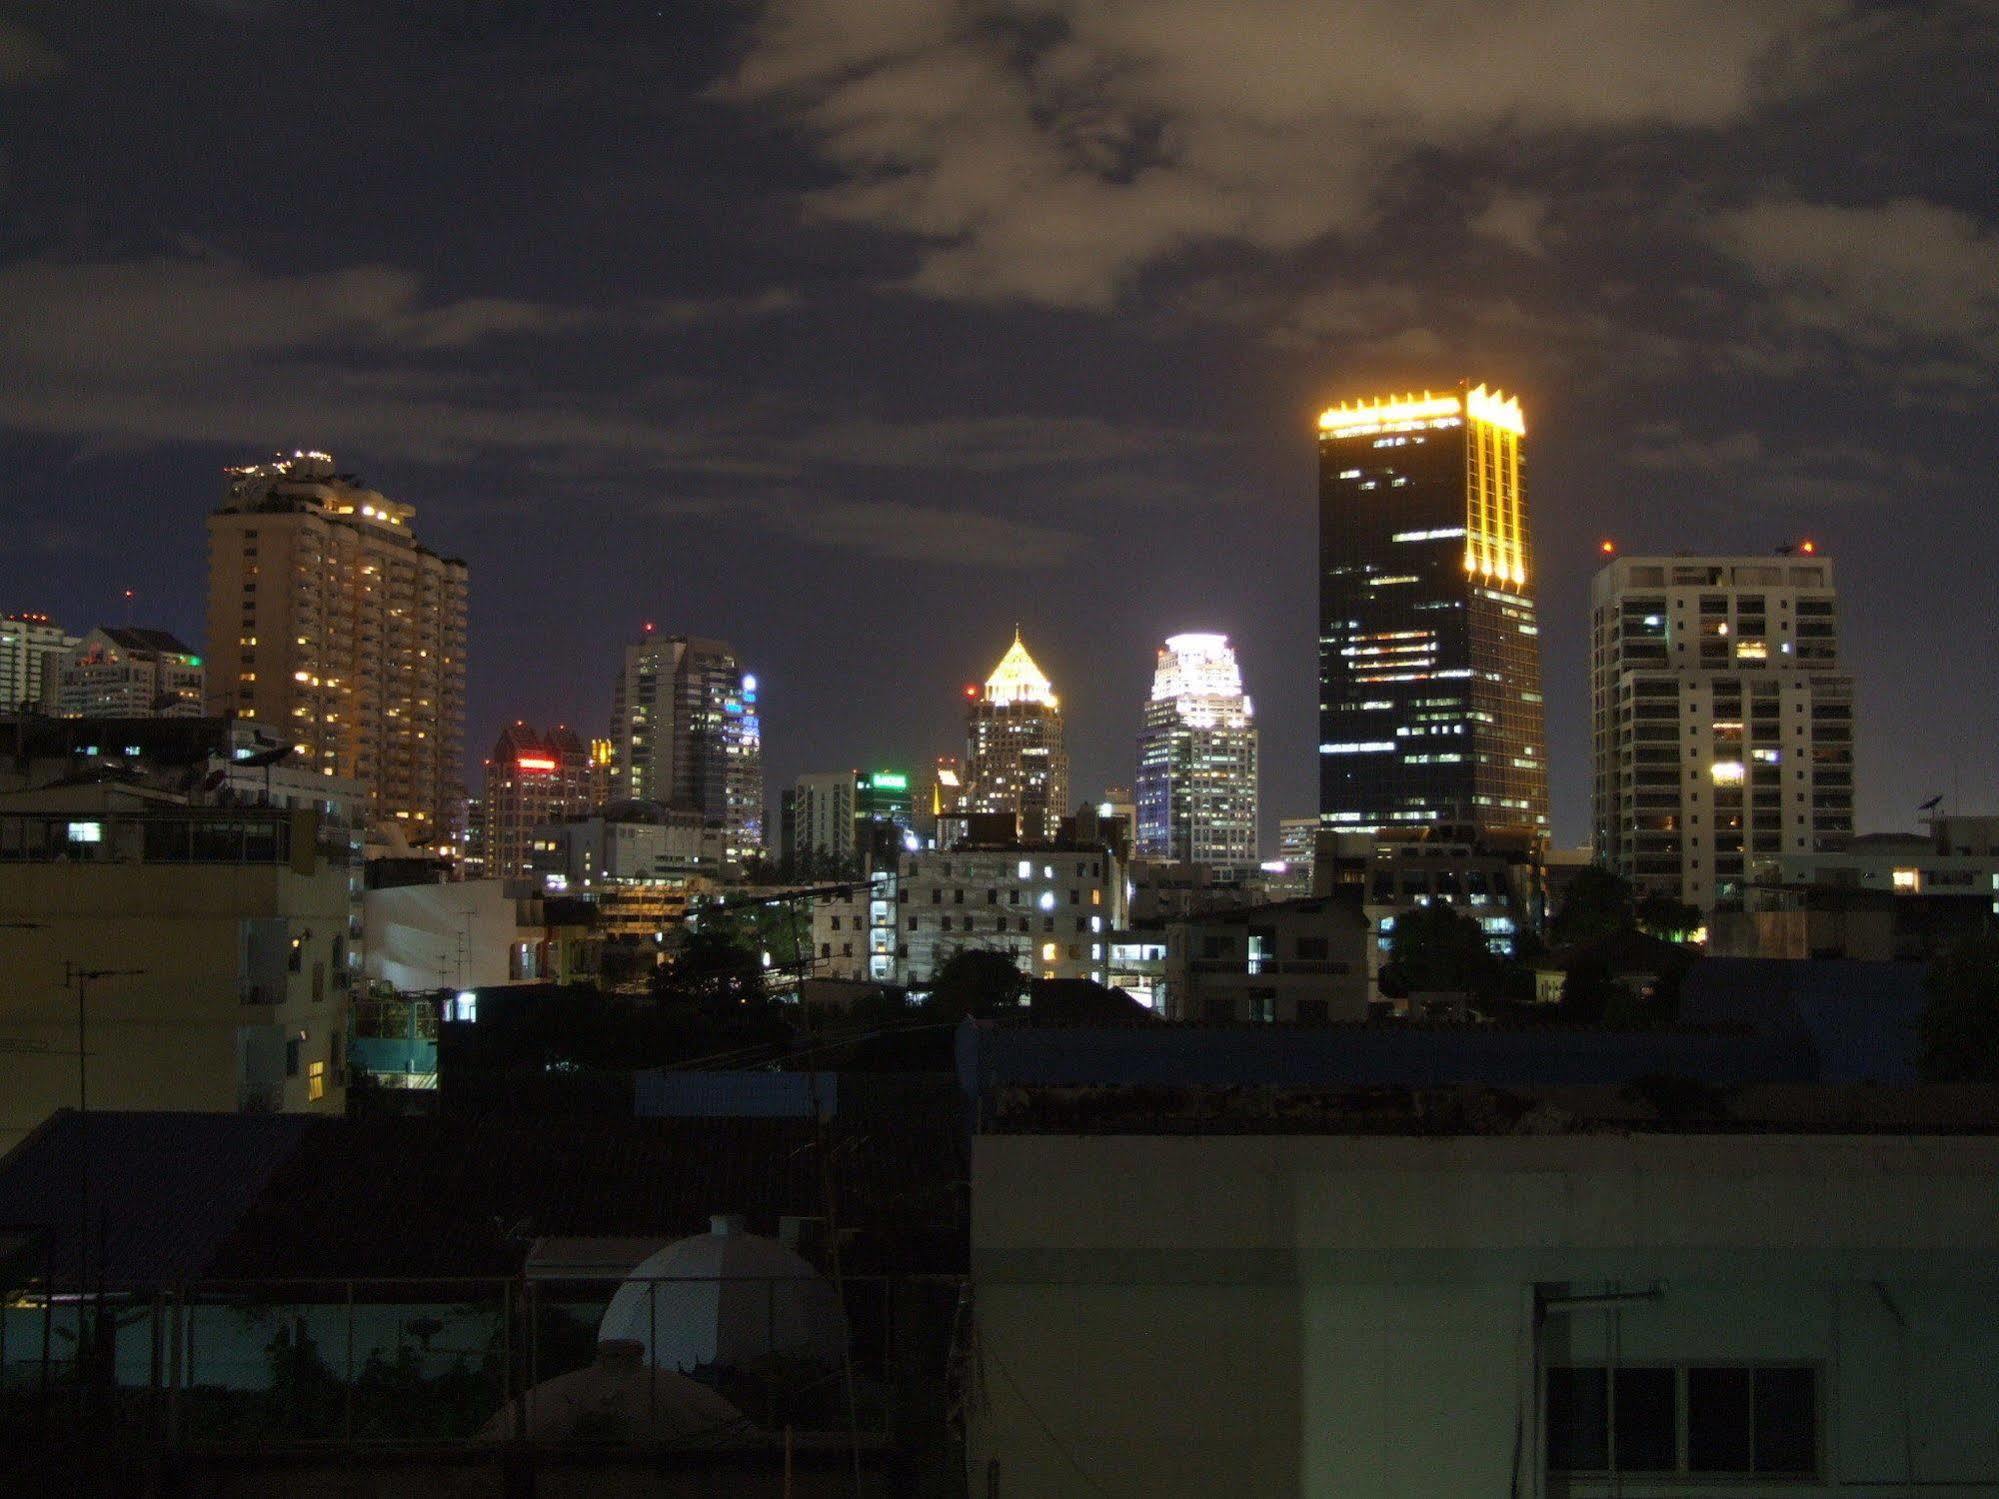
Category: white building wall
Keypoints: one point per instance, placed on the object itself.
(1340, 1316)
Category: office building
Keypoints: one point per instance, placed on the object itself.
(1430, 705)
(225, 934)
(531, 779)
(1721, 723)
(328, 620)
(1197, 758)
(1016, 762)
(117, 671)
(30, 647)
(686, 732)
(626, 843)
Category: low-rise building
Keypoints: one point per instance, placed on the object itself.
(1468, 1293)
(628, 842)
(1050, 906)
(1293, 962)
(206, 952)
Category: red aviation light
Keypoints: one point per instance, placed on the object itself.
(1808, 547)
(1607, 547)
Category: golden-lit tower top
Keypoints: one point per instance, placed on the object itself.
(1495, 509)
(1018, 680)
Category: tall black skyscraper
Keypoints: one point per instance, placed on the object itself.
(1429, 656)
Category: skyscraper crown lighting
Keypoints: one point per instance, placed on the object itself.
(1018, 680)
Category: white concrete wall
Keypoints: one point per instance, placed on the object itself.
(1345, 1317)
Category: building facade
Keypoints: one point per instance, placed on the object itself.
(1049, 907)
(1293, 962)
(531, 779)
(31, 648)
(1430, 706)
(1197, 758)
(231, 939)
(1540, 1315)
(120, 672)
(1015, 758)
(626, 843)
(820, 819)
(687, 732)
(328, 620)
(1721, 722)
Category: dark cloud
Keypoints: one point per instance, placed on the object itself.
(24, 56)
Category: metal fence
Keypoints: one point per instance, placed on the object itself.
(465, 1361)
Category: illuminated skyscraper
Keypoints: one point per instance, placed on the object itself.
(1197, 758)
(531, 779)
(1015, 758)
(1429, 657)
(686, 731)
(328, 621)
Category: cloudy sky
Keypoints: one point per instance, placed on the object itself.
(855, 331)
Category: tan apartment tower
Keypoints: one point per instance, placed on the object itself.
(329, 621)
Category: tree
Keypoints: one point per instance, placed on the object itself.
(1960, 1021)
(976, 981)
(1597, 903)
(1435, 949)
(714, 966)
(1666, 918)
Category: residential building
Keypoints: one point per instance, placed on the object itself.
(687, 732)
(532, 779)
(1048, 906)
(1721, 722)
(818, 821)
(1550, 1293)
(1430, 707)
(223, 942)
(1295, 962)
(328, 620)
(854, 935)
(458, 935)
(1015, 758)
(117, 671)
(30, 645)
(1197, 758)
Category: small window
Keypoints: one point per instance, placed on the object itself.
(315, 1082)
(291, 1057)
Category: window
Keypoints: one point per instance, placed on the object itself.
(291, 1057)
(1737, 1419)
(315, 1082)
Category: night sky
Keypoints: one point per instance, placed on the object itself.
(855, 331)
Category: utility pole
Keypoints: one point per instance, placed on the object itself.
(80, 979)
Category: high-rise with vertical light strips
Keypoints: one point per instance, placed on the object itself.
(1430, 707)
(1016, 759)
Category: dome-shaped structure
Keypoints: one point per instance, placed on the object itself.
(616, 1399)
(726, 1298)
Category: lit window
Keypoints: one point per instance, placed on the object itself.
(1727, 772)
(315, 1081)
(1908, 879)
(1048, 951)
(86, 832)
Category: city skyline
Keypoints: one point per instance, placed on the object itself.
(760, 373)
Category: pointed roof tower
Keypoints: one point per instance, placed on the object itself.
(1017, 679)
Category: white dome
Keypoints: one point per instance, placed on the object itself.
(727, 1297)
(617, 1399)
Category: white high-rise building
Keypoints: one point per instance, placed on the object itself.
(823, 809)
(1197, 758)
(117, 671)
(686, 733)
(31, 651)
(1722, 725)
